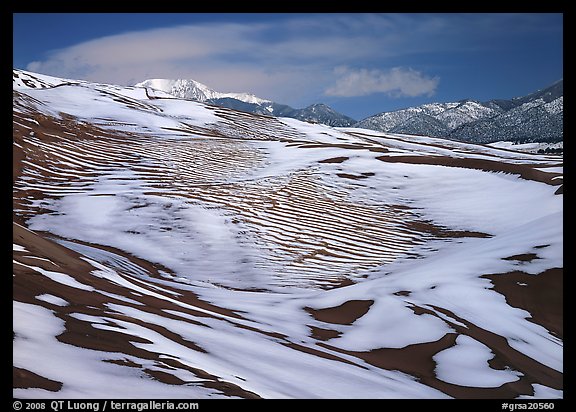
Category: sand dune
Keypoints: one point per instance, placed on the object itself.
(170, 249)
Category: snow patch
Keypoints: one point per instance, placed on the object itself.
(466, 364)
(55, 300)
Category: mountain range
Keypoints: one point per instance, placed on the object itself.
(246, 102)
(537, 117)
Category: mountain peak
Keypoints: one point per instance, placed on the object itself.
(548, 94)
(194, 90)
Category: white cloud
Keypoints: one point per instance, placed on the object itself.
(396, 82)
(148, 51)
(289, 60)
(224, 56)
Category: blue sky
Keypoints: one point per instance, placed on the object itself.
(360, 64)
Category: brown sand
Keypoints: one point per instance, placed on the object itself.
(22, 378)
(344, 314)
(541, 295)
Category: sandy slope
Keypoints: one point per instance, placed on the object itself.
(172, 249)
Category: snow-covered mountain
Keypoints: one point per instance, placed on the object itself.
(193, 90)
(537, 117)
(168, 248)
